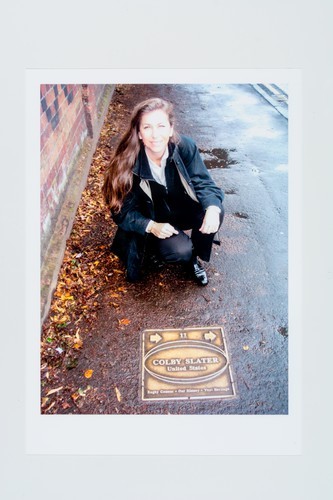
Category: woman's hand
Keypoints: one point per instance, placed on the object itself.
(211, 220)
(163, 230)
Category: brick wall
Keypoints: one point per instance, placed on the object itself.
(68, 116)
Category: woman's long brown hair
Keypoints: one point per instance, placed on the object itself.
(118, 178)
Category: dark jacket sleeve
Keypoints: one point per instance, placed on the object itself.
(130, 217)
(207, 192)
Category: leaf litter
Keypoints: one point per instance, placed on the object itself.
(88, 269)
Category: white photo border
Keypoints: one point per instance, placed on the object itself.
(127, 434)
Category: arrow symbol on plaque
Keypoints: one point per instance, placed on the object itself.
(155, 338)
(210, 336)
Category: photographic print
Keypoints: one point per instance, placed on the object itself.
(164, 248)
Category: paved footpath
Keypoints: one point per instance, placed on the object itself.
(244, 142)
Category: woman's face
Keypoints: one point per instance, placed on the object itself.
(155, 131)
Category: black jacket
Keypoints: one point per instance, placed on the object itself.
(138, 207)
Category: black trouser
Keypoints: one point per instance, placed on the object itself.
(180, 247)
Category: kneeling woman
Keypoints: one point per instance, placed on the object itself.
(157, 187)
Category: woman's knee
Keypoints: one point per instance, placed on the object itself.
(182, 254)
(177, 248)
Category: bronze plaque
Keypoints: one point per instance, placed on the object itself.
(189, 363)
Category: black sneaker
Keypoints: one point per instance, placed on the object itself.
(200, 274)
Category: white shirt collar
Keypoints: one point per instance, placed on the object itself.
(157, 171)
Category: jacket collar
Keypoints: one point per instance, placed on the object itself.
(141, 166)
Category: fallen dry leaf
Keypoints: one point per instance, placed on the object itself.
(83, 392)
(118, 394)
(124, 321)
(51, 406)
(67, 296)
(52, 391)
(63, 319)
(88, 373)
(78, 344)
(44, 402)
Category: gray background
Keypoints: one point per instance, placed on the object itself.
(173, 34)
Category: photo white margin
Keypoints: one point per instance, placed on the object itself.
(161, 434)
